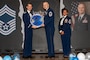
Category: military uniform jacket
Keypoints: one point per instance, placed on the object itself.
(66, 27)
(82, 25)
(26, 19)
(49, 18)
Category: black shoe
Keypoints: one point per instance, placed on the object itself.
(27, 57)
(49, 56)
(65, 56)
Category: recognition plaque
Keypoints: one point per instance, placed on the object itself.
(37, 19)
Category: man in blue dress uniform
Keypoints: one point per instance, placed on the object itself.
(49, 28)
(65, 32)
(27, 51)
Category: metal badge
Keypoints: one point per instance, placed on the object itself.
(66, 21)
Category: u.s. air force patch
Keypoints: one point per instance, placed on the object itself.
(50, 14)
(7, 20)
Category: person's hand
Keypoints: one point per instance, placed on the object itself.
(62, 33)
(34, 27)
(42, 14)
(42, 25)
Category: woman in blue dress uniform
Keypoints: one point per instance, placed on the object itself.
(65, 32)
(27, 51)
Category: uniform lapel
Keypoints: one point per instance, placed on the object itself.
(65, 19)
(83, 17)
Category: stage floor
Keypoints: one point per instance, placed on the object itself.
(42, 57)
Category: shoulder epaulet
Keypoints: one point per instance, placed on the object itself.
(24, 13)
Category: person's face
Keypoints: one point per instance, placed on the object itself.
(29, 7)
(45, 5)
(81, 8)
(65, 13)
